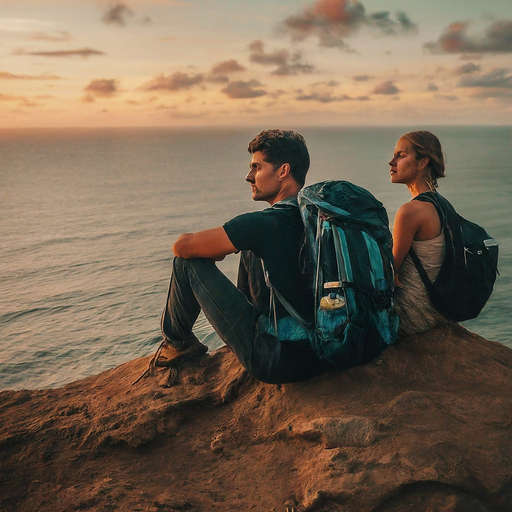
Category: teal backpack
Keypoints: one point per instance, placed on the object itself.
(348, 253)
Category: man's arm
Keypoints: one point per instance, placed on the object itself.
(210, 243)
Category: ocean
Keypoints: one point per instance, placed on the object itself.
(88, 218)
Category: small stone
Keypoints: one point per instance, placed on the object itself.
(218, 444)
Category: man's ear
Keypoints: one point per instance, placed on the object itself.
(284, 171)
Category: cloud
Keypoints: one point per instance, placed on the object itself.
(82, 52)
(21, 101)
(496, 83)
(59, 36)
(468, 68)
(332, 21)
(361, 78)
(26, 103)
(218, 79)
(287, 63)
(431, 87)
(324, 92)
(226, 67)
(102, 88)
(456, 38)
(4, 75)
(382, 20)
(175, 82)
(499, 78)
(448, 97)
(326, 97)
(471, 56)
(405, 22)
(239, 89)
(116, 14)
(386, 88)
(10, 97)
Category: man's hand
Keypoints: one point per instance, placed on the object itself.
(210, 243)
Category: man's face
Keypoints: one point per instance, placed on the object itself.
(264, 179)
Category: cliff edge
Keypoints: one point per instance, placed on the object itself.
(426, 427)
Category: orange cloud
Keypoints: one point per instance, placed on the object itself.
(386, 88)
(60, 36)
(116, 14)
(331, 21)
(361, 78)
(240, 90)
(174, 82)
(102, 88)
(226, 67)
(325, 92)
(496, 38)
(4, 75)
(82, 52)
(287, 64)
(11, 97)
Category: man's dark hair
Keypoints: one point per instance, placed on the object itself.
(281, 147)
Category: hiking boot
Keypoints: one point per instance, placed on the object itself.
(169, 355)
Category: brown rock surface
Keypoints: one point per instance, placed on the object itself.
(427, 427)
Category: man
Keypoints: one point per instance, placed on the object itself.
(243, 316)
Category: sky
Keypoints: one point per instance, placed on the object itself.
(78, 63)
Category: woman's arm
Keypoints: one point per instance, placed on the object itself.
(407, 224)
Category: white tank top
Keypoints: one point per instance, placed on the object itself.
(416, 312)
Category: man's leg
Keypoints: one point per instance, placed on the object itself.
(198, 284)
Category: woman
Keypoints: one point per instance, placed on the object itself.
(418, 162)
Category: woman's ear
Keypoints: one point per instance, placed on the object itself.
(424, 160)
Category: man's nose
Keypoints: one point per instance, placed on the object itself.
(249, 176)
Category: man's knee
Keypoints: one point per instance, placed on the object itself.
(183, 264)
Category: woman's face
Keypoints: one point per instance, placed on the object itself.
(404, 166)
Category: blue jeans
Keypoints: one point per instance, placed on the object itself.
(197, 284)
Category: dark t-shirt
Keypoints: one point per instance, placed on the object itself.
(276, 235)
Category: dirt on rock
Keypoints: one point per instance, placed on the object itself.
(427, 427)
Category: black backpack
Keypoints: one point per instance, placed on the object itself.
(468, 272)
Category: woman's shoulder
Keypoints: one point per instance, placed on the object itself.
(422, 217)
(416, 209)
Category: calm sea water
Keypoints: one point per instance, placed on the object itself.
(88, 218)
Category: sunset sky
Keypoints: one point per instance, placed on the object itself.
(235, 62)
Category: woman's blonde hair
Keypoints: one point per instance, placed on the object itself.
(426, 144)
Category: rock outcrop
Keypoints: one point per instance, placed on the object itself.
(426, 427)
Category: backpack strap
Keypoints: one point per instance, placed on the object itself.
(422, 272)
(436, 199)
(289, 201)
(432, 198)
(289, 308)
